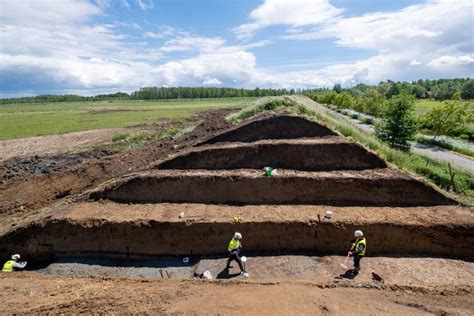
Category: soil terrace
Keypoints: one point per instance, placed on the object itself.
(106, 228)
(245, 186)
(314, 154)
(276, 127)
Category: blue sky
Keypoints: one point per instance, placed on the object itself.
(100, 46)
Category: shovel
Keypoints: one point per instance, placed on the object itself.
(343, 265)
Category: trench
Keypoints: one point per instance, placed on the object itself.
(322, 154)
(368, 187)
(56, 238)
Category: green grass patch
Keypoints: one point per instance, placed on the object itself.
(38, 119)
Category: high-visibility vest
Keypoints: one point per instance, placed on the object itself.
(8, 266)
(361, 241)
(233, 245)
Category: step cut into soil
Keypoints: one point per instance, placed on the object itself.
(278, 127)
(367, 187)
(317, 154)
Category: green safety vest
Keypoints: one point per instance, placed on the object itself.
(234, 244)
(361, 241)
(8, 266)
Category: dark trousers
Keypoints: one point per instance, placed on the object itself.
(235, 256)
(357, 263)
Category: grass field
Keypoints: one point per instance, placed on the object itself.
(423, 106)
(38, 119)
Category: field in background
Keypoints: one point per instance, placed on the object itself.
(38, 119)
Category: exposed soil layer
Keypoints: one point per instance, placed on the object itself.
(29, 183)
(243, 186)
(32, 293)
(331, 153)
(108, 229)
(278, 127)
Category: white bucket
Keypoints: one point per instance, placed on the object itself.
(328, 214)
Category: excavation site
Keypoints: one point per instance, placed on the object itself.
(190, 203)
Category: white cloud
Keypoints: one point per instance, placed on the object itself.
(192, 43)
(145, 4)
(61, 49)
(446, 61)
(294, 13)
(425, 35)
(208, 81)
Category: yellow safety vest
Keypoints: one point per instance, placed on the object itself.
(8, 266)
(361, 241)
(234, 244)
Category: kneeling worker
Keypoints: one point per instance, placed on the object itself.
(234, 250)
(360, 247)
(13, 264)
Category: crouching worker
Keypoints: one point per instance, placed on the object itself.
(360, 246)
(234, 250)
(13, 264)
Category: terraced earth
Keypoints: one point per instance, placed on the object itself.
(184, 205)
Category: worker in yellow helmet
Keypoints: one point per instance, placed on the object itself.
(234, 249)
(13, 264)
(359, 248)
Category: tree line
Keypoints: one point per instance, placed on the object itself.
(158, 93)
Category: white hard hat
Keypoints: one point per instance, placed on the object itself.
(16, 257)
(237, 235)
(358, 233)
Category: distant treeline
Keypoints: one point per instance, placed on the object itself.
(440, 89)
(155, 93)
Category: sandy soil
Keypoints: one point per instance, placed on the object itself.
(201, 213)
(31, 293)
(54, 144)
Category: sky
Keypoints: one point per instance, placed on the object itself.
(89, 47)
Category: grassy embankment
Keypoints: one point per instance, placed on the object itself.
(38, 119)
(433, 171)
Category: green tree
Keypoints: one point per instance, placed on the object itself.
(467, 91)
(397, 126)
(446, 119)
(337, 88)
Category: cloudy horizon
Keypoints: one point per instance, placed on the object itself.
(100, 46)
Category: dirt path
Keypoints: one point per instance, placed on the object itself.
(54, 144)
(32, 293)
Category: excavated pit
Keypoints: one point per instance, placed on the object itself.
(277, 127)
(319, 154)
(238, 187)
(318, 171)
(110, 229)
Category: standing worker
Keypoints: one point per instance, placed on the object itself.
(360, 246)
(234, 250)
(13, 264)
